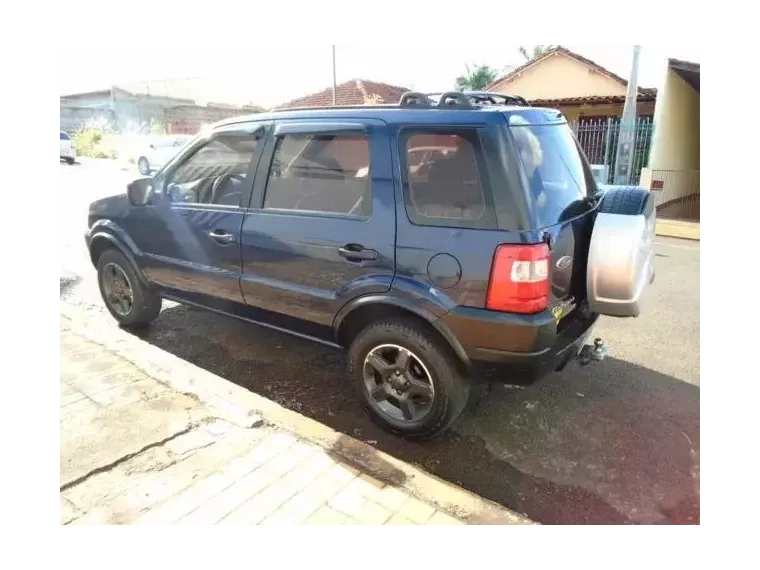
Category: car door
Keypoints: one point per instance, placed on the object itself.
(321, 227)
(188, 236)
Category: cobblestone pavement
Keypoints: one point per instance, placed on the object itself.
(133, 451)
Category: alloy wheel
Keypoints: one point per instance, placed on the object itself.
(117, 289)
(399, 384)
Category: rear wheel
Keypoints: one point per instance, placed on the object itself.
(409, 381)
(143, 166)
(127, 299)
(69, 160)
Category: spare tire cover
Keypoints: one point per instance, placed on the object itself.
(620, 255)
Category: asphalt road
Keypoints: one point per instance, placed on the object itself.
(616, 442)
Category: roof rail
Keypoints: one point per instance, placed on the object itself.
(490, 98)
(447, 100)
(415, 99)
(459, 100)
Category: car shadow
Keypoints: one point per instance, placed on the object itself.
(611, 443)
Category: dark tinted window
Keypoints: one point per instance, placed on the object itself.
(445, 178)
(64, 136)
(216, 173)
(320, 173)
(554, 167)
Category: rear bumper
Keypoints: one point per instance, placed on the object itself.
(530, 346)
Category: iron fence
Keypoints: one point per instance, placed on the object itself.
(599, 138)
(676, 194)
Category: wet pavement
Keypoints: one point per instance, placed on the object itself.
(616, 442)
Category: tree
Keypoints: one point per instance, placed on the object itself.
(534, 52)
(477, 79)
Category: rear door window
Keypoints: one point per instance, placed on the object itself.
(64, 136)
(445, 178)
(324, 173)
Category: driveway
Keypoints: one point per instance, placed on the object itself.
(615, 442)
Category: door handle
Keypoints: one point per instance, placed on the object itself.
(221, 237)
(354, 252)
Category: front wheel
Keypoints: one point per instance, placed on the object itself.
(409, 381)
(127, 299)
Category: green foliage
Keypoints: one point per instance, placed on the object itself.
(157, 127)
(534, 51)
(477, 79)
(88, 141)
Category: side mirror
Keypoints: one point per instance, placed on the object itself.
(140, 192)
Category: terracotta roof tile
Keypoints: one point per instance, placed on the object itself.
(647, 95)
(353, 92)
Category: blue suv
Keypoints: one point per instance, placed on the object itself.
(428, 238)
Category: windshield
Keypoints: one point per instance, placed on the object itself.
(554, 167)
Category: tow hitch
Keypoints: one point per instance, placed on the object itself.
(597, 352)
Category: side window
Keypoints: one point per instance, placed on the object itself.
(445, 179)
(216, 173)
(327, 173)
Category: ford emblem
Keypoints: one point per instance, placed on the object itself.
(564, 262)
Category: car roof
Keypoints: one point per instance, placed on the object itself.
(393, 114)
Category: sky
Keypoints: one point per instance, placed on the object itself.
(228, 73)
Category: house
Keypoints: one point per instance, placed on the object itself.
(582, 89)
(591, 98)
(353, 92)
(127, 111)
(673, 169)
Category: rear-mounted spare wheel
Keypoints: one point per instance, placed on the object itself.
(620, 254)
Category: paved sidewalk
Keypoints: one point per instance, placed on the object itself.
(134, 451)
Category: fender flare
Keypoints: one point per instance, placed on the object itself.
(407, 305)
(99, 234)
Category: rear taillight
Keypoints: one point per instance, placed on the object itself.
(519, 279)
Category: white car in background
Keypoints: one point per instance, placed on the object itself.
(158, 150)
(68, 153)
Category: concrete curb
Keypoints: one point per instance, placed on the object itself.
(678, 229)
(245, 408)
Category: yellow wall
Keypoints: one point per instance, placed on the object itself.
(557, 77)
(674, 158)
(675, 143)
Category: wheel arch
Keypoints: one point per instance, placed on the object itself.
(360, 312)
(102, 240)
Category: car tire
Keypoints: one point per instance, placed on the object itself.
(626, 201)
(143, 166)
(430, 361)
(145, 303)
(69, 160)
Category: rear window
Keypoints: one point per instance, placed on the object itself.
(556, 173)
(64, 136)
(445, 179)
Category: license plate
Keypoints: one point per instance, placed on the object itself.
(559, 311)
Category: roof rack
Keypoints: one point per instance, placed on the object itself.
(459, 100)
(447, 100)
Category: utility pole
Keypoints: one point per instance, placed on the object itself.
(627, 137)
(335, 96)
